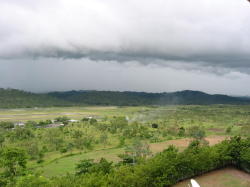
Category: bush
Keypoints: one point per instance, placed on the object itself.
(196, 132)
(89, 166)
(63, 150)
(162, 170)
(32, 181)
(6, 125)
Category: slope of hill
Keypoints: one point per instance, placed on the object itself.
(141, 98)
(11, 98)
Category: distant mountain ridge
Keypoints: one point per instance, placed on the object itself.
(12, 98)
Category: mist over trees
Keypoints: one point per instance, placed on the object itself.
(11, 98)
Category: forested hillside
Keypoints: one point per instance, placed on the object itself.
(142, 98)
(11, 98)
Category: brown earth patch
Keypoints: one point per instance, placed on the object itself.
(183, 143)
(216, 139)
(216, 130)
(228, 177)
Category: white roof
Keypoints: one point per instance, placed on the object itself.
(20, 124)
(73, 120)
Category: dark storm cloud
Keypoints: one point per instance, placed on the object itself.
(207, 33)
(50, 74)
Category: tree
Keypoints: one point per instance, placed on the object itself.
(138, 150)
(84, 166)
(104, 139)
(154, 125)
(122, 140)
(33, 150)
(6, 125)
(118, 123)
(196, 132)
(54, 138)
(92, 121)
(2, 139)
(40, 157)
(22, 133)
(89, 166)
(229, 130)
(84, 119)
(181, 131)
(103, 166)
(31, 124)
(13, 161)
(63, 119)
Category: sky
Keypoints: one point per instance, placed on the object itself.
(132, 45)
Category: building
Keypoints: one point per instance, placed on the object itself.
(54, 125)
(19, 124)
(73, 121)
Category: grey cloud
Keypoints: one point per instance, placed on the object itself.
(206, 33)
(153, 45)
(50, 74)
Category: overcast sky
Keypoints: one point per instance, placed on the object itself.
(136, 45)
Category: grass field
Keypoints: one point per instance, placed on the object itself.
(207, 115)
(51, 113)
(228, 177)
(215, 119)
(66, 164)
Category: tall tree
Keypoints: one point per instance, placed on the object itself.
(13, 161)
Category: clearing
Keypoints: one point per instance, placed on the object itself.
(66, 164)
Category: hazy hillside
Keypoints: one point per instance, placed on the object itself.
(142, 98)
(11, 98)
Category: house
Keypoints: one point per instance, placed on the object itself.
(73, 121)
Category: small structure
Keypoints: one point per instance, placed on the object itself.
(54, 125)
(73, 121)
(19, 124)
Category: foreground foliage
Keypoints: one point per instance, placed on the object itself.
(164, 169)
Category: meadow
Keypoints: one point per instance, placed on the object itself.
(116, 133)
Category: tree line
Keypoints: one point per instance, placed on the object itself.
(11, 98)
(164, 169)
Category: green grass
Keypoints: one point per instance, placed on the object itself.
(214, 118)
(67, 164)
(38, 114)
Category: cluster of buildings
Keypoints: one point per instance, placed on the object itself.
(54, 124)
